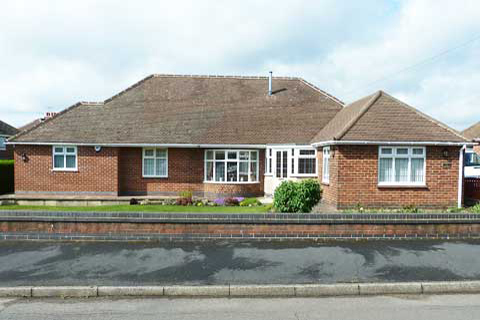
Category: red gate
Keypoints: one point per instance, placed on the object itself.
(472, 189)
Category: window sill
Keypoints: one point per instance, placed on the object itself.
(402, 186)
(64, 170)
(325, 183)
(300, 175)
(231, 182)
(154, 177)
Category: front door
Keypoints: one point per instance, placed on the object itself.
(281, 164)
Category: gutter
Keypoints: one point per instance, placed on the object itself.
(394, 143)
(168, 145)
(460, 176)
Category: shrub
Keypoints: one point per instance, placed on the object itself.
(6, 176)
(184, 201)
(293, 196)
(231, 201)
(186, 194)
(133, 201)
(250, 202)
(475, 208)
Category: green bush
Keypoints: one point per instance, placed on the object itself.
(475, 208)
(293, 196)
(6, 176)
(186, 194)
(250, 202)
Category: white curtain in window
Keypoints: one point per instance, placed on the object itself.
(386, 170)
(417, 170)
(161, 167)
(148, 167)
(401, 170)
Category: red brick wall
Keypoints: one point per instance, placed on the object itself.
(357, 181)
(185, 173)
(7, 154)
(97, 172)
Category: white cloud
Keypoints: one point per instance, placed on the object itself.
(54, 53)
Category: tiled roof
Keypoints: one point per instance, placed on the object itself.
(381, 117)
(473, 132)
(6, 129)
(169, 109)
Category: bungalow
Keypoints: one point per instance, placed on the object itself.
(230, 135)
(6, 131)
(473, 133)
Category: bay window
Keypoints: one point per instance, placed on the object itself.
(155, 163)
(231, 166)
(64, 158)
(401, 166)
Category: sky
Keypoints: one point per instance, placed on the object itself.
(424, 52)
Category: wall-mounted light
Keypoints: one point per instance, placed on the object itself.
(98, 148)
(24, 157)
(445, 153)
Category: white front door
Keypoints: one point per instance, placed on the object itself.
(281, 164)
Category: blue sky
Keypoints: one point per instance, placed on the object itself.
(55, 53)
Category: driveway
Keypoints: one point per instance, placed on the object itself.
(120, 263)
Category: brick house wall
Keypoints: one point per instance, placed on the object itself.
(357, 180)
(97, 172)
(330, 191)
(7, 154)
(185, 173)
(118, 171)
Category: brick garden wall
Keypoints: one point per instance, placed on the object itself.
(354, 180)
(97, 172)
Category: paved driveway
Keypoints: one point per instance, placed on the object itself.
(120, 263)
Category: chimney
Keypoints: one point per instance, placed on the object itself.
(270, 84)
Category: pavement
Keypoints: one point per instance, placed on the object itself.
(225, 263)
(438, 307)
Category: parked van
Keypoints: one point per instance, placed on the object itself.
(472, 164)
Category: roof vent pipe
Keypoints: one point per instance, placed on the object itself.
(270, 84)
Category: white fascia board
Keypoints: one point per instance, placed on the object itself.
(393, 143)
(283, 146)
(167, 145)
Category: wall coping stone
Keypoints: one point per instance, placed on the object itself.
(238, 218)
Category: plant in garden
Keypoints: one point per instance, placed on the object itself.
(184, 201)
(293, 196)
(250, 202)
(231, 201)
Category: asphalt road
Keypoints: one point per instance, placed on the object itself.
(444, 307)
(189, 263)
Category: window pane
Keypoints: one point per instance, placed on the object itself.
(210, 155)
(417, 151)
(285, 163)
(402, 151)
(417, 170)
(220, 155)
(70, 150)
(2, 143)
(209, 175)
(270, 152)
(148, 167)
(232, 155)
(58, 162)
(161, 169)
(307, 152)
(58, 150)
(243, 171)
(149, 152)
(270, 165)
(70, 161)
(244, 155)
(386, 151)
(401, 170)
(231, 171)
(254, 155)
(161, 153)
(279, 162)
(307, 166)
(220, 171)
(253, 171)
(386, 170)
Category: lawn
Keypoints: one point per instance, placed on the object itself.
(145, 208)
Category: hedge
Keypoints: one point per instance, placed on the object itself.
(292, 196)
(6, 176)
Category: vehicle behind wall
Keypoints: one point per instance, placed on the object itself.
(472, 164)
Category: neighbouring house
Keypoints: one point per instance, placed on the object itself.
(473, 133)
(6, 131)
(36, 122)
(226, 135)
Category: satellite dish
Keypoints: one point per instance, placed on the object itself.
(98, 148)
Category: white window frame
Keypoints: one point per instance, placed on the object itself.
(297, 156)
(214, 160)
(408, 156)
(326, 165)
(3, 145)
(293, 156)
(155, 158)
(268, 161)
(64, 154)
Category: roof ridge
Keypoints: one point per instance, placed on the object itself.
(136, 84)
(80, 103)
(472, 126)
(439, 123)
(354, 120)
(218, 76)
(311, 85)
